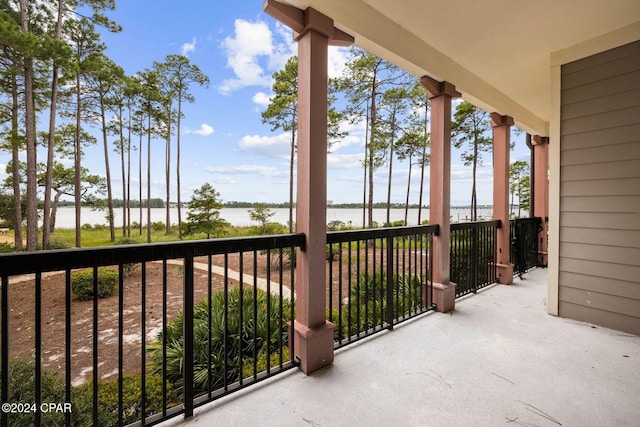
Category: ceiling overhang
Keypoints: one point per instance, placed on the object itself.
(497, 53)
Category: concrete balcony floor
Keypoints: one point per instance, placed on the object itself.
(498, 359)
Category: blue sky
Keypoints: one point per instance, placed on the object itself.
(224, 141)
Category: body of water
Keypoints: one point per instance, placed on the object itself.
(239, 217)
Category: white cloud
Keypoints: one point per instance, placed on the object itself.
(265, 171)
(337, 59)
(205, 130)
(344, 161)
(188, 47)
(261, 99)
(285, 49)
(355, 135)
(278, 146)
(250, 41)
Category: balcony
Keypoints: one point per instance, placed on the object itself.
(119, 360)
(497, 359)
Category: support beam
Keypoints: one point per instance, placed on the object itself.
(311, 337)
(501, 148)
(540, 197)
(440, 94)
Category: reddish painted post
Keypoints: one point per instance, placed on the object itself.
(501, 148)
(311, 333)
(541, 192)
(440, 94)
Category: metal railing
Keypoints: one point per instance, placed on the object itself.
(473, 255)
(377, 278)
(524, 244)
(121, 359)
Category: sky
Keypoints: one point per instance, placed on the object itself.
(224, 142)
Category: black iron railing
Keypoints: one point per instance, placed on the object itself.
(524, 244)
(473, 255)
(377, 278)
(126, 358)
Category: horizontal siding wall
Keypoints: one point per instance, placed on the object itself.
(599, 280)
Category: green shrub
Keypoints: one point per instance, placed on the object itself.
(368, 302)
(335, 225)
(22, 373)
(242, 338)
(130, 267)
(82, 283)
(158, 226)
(261, 362)
(131, 400)
(58, 244)
(6, 248)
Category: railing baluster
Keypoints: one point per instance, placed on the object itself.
(95, 345)
(38, 352)
(143, 339)
(188, 311)
(67, 343)
(5, 347)
(390, 284)
(121, 346)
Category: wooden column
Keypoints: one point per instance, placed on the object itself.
(441, 94)
(541, 192)
(501, 148)
(312, 334)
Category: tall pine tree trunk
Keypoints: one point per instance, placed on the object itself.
(406, 205)
(389, 180)
(110, 215)
(149, 179)
(291, 160)
(15, 166)
(124, 177)
(30, 140)
(47, 227)
(372, 151)
(140, 181)
(474, 201)
(179, 200)
(77, 156)
(168, 176)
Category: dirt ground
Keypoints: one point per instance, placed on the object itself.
(135, 324)
(22, 314)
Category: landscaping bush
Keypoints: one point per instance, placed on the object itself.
(130, 267)
(368, 302)
(131, 400)
(6, 248)
(82, 283)
(158, 226)
(58, 244)
(245, 335)
(22, 373)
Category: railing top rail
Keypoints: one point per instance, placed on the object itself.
(377, 233)
(477, 224)
(535, 219)
(56, 260)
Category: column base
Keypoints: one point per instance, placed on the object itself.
(313, 348)
(444, 296)
(504, 273)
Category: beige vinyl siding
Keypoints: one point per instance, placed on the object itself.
(599, 280)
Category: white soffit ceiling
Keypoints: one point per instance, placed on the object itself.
(496, 52)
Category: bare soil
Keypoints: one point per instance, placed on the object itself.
(22, 315)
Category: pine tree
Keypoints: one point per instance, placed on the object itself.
(470, 127)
